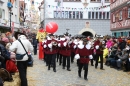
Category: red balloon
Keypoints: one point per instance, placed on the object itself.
(51, 27)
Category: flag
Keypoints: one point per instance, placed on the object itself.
(60, 5)
(103, 2)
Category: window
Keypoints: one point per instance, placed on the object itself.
(15, 3)
(107, 0)
(15, 18)
(89, 15)
(77, 14)
(66, 14)
(129, 12)
(96, 15)
(113, 17)
(100, 15)
(81, 15)
(104, 15)
(92, 15)
(70, 14)
(120, 15)
(108, 14)
(3, 14)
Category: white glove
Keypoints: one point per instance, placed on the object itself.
(59, 45)
(97, 46)
(90, 57)
(50, 45)
(119, 59)
(77, 56)
(88, 46)
(74, 46)
(65, 44)
(45, 46)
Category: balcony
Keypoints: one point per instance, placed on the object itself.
(118, 3)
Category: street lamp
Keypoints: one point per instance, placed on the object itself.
(9, 5)
(85, 3)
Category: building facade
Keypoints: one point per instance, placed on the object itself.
(73, 15)
(120, 17)
(5, 15)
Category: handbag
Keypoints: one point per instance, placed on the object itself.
(20, 56)
(29, 56)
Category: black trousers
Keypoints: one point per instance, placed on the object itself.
(22, 67)
(101, 60)
(52, 60)
(85, 67)
(46, 59)
(57, 56)
(68, 61)
(35, 50)
(72, 57)
(60, 59)
(127, 65)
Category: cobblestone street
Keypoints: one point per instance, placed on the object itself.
(38, 75)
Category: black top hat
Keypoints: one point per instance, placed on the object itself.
(16, 34)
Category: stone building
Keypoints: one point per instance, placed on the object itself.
(120, 17)
(72, 15)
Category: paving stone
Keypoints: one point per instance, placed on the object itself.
(38, 75)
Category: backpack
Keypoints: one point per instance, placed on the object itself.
(11, 66)
(5, 75)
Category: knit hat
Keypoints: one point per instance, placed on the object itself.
(5, 39)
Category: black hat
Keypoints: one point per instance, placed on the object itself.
(16, 34)
(51, 35)
(62, 36)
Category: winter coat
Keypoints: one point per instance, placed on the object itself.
(16, 46)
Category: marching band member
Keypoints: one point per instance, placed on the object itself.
(52, 51)
(65, 51)
(83, 54)
(99, 53)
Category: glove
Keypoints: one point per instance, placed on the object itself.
(90, 57)
(97, 46)
(74, 46)
(45, 46)
(50, 45)
(65, 44)
(59, 45)
(77, 56)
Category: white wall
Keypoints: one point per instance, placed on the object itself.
(15, 11)
(49, 11)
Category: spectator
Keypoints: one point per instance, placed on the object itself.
(18, 48)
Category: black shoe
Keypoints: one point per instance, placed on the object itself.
(48, 68)
(68, 69)
(85, 78)
(63, 68)
(92, 65)
(54, 70)
(95, 67)
(102, 69)
(79, 76)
